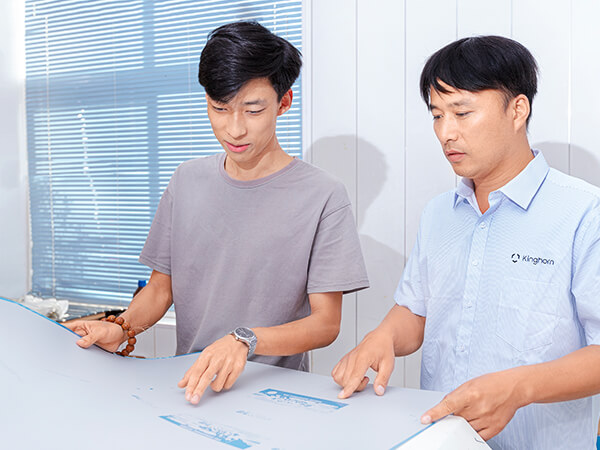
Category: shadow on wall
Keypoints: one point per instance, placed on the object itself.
(584, 164)
(384, 264)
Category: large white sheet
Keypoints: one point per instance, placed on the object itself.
(54, 394)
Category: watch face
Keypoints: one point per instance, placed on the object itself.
(244, 333)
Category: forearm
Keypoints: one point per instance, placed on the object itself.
(405, 328)
(573, 376)
(150, 304)
(317, 330)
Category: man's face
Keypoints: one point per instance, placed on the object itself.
(245, 126)
(476, 131)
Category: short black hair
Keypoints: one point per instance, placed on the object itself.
(239, 52)
(482, 62)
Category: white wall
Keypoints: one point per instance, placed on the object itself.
(372, 130)
(14, 222)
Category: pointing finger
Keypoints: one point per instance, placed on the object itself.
(441, 410)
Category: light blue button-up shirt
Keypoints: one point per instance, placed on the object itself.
(517, 285)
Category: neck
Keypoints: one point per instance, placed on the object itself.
(263, 165)
(502, 174)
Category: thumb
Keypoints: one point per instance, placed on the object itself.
(439, 411)
(87, 341)
(386, 367)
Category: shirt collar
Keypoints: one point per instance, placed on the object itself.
(521, 189)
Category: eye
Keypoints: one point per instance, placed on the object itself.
(254, 112)
(217, 108)
(463, 114)
(436, 117)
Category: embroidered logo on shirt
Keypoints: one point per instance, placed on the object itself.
(515, 258)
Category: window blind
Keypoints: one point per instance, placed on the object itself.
(113, 106)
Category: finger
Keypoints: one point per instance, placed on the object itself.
(488, 433)
(478, 424)
(203, 383)
(233, 376)
(386, 367)
(88, 340)
(441, 410)
(219, 381)
(352, 383)
(199, 367)
(363, 384)
(339, 371)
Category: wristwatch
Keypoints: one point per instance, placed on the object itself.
(247, 336)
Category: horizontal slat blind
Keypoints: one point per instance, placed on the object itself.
(113, 106)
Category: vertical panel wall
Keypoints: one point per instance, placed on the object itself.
(333, 144)
(372, 130)
(380, 158)
(14, 224)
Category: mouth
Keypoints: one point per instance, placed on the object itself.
(454, 156)
(237, 148)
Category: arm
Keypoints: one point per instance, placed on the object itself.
(148, 306)
(226, 357)
(490, 401)
(399, 334)
(317, 330)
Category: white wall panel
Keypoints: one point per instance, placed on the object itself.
(546, 33)
(480, 17)
(585, 119)
(333, 123)
(14, 222)
(380, 176)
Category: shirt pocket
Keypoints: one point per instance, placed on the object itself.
(527, 313)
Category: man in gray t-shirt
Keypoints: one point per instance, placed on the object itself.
(253, 247)
(250, 252)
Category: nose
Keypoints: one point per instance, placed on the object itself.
(236, 126)
(446, 130)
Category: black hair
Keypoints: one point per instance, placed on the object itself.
(239, 52)
(478, 63)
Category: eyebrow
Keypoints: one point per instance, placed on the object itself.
(256, 102)
(452, 105)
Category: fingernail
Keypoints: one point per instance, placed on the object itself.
(195, 399)
(425, 420)
(341, 394)
(188, 396)
(380, 390)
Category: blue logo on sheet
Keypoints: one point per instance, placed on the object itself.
(297, 400)
(220, 433)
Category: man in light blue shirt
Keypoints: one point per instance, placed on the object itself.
(502, 288)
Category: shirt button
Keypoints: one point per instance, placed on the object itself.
(461, 348)
(468, 304)
(482, 225)
(475, 262)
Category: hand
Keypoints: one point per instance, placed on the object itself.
(375, 351)
(106, 335)
(487, 402)
(224, 358)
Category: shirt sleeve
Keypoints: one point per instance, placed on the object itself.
(336, 261)
(409, 292)
(585, 286)
(156, 253)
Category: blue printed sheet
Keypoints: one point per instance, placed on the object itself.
(54, 393)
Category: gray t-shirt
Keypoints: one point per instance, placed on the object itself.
(248, 253)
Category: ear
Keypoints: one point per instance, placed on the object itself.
(286, 102)
(520, 109)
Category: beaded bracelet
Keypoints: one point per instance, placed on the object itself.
(130, 334)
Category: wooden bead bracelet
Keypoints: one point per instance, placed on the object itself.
(130, 334)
